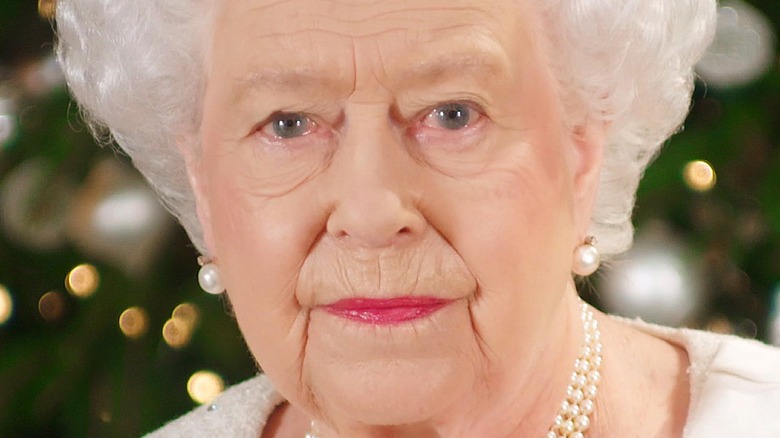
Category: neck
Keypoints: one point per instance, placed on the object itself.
(532, 388)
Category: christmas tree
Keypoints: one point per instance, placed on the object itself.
(104, 331)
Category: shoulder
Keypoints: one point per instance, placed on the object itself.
(735, 383)
(240, 411)
(739, 390)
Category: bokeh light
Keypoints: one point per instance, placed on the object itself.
(774, 316)
(127, 214)
(82, 281)
(187, 313)
(7, 127)
(720, 324)
(176, 333)
(700, 176)
(134, 322)
(747, 328)
(743, 48)
(47, 8)
(42, 77)
(6, 305)
(205, 386)
(33, 211)
(105, 416)
(51, 306)
(656, 280)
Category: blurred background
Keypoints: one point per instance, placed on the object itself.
(105, 332)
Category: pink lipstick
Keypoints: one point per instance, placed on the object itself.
(385, 311)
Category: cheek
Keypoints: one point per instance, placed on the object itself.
(256, 234)
(256, 237)
(260, 244)
(522, 204)
(521, 215)
(526, 227)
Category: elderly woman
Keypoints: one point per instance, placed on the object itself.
(398, 196)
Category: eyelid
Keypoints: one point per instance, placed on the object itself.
(411, 107)
(429, 109)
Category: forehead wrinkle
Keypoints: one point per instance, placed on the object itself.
(402, 27)
(422, 42)
(365, 18)
(450, 51)
(421, 15)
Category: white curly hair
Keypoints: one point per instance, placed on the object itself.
(138, 70)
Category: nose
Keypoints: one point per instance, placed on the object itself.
(376, 187)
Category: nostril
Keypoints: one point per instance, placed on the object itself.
(375, 222)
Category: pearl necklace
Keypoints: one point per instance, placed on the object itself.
(573, 418)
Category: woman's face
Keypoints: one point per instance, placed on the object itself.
(391, 197)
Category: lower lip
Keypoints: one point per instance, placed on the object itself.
(385, 311)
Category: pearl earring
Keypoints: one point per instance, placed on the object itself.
(208, 277)
(586, 258)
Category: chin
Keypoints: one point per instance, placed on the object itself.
(392, 392)
(392, 375)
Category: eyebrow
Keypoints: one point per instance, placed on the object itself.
(453, 65)
(304, 80)
(301, 79)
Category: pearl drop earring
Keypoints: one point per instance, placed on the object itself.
(586, 258)
(208, 277)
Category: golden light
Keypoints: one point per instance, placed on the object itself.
(205, 386)
(82, 281)
(134, 322)
(187, 313)
(105, 416)
(6, 305)
(176, 333)
(720, 325)
(47, 8)
(51, 306)
(700, 176)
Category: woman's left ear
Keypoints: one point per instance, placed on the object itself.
(589, 140)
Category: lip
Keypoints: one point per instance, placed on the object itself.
(385, 311)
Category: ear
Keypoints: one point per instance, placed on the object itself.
(589, 141)
(197, 178)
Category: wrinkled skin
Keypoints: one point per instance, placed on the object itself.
(370, 192)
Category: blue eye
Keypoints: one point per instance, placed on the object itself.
(288, 125)
(451, 116)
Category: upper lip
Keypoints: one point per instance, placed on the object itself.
(386, 311)
(361, 303)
